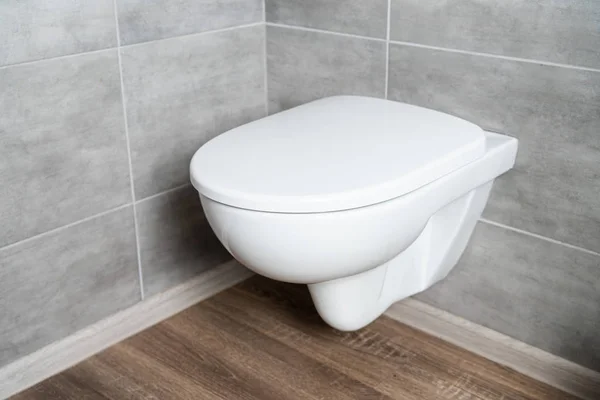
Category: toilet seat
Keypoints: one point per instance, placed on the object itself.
(335, 154)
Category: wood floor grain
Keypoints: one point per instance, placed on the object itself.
(264, 340)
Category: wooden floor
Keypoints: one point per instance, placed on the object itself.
(264, 340)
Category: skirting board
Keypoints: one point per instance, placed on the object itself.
(75, 348)
(528, 360)
(58, 356)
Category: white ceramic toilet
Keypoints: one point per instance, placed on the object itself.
(367, 201)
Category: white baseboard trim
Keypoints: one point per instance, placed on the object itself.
(528, 360)
(65, 353)
(75, 348)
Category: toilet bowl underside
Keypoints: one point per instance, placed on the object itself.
(316, 247)
(352, 302)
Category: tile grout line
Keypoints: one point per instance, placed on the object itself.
(301, 28)
(266, 70)
(387, 48)
(397, 42)
(411, 44)
(118, 46)
(65, 56)
(162, 193)
(498, 56)
(64, 227)
(209, 32)
(535, 235)
(131, 182)
(91, 217)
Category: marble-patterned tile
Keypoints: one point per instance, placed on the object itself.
(538, 292)
(304, 66)
(366, 18)
(142, 21)
(34, 30)
(63, 153)
(562, 31)
(555, 113)
(184, 91)
(53, 285)
(176, 241)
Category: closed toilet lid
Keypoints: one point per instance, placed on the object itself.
(333, 154)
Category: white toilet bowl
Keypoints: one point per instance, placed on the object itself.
(365, 200)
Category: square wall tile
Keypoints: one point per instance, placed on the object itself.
(63, 153)
(366, 18)
(305, 66)
(142, 21)
(56, 284)
(561, 31)
(184, 91)
(538, 292)
(555, 113)
(176, 241)
(34, 30)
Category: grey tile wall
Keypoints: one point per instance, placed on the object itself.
(539, 292)
(562, 31)
(34, 30)
(367, 18)
(55, 284)
(68, 243)
(176, 242)
(63, 145)
(181, 92)
(141, 21)
(304, 66)
(527, 69)
(62, 140)
(555, 113)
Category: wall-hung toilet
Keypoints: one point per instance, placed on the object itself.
(367, 201)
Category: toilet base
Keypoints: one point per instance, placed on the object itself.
(353, 302)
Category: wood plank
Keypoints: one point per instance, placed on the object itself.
(275, 363)
(526, 359)
(374, 349)
(264, 340)
(73, 349)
